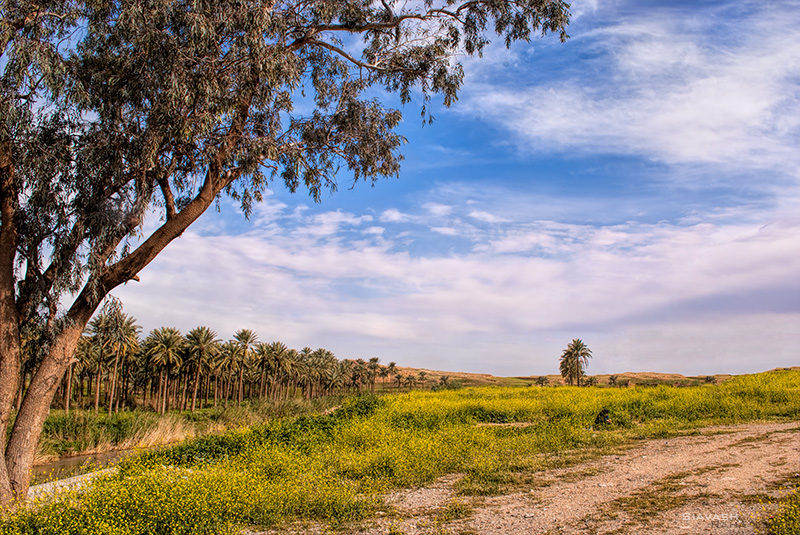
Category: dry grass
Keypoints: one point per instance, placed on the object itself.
(169, 430)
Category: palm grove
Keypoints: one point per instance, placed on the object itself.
(118, 111)
(114, 368)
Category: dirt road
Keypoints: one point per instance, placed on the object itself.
(707, 483)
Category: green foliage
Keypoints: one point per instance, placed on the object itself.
(335, 468)
(454, 510)
(84, 431)
(68, 434)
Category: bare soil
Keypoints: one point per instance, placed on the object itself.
(707, 483)
(714, 481)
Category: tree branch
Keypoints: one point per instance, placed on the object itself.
(169, 198)
(348, 57)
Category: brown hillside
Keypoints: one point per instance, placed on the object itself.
(432, 377)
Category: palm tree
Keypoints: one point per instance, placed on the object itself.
(85, 353)
(201, 345)
(122, 337)
(279, 364)
(263, 360)
(373, 368)
(337, 378)
(116, 334)
(574, 360)
(246, 339)
(228, 359)
(164, 347)
(398, 378)
(391, 371)
(422, 376)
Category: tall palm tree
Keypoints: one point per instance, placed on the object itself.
(373, 368)
(279, 364)
(263, 362)
(201, 345)
(85, 355)
(97, 331)
(391, 370)
(229, 357)
(164, 346)
(292, 367)
(246, 339)
(574, 360)
(122, 337)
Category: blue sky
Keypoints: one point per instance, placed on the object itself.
(636, 187)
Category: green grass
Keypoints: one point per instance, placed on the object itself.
(335, 468)
(83, 431)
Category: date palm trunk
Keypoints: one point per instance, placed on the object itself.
(113, 386)
(196, 385)
(68, 389)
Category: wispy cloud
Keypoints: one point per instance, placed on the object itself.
(529, 284)
(662, 88)
(487, 217)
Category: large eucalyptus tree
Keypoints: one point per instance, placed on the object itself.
(111, 110)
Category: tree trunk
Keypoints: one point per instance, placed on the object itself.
(241, 387)
(10, 357)
(68, 390)
(127, 389)
(196, 384)
(80, 390)
(144, 393)
(113, 384)
(216, 388)
(97, 392)
(165, 399)
(262, 386)
(160, 396)
(185, 392)
(35, 406)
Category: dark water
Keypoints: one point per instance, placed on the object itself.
(78, 464)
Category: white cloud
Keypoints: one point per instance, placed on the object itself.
(329, 223)
(673, 94)
(580, 8)
(447, 231)
(438, 209)
(486, 217)
(526, 289)
(392, 215)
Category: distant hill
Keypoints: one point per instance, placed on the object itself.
(627, 378)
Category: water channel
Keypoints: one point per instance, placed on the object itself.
(78, 464)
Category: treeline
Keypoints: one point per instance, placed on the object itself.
(115, 369)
